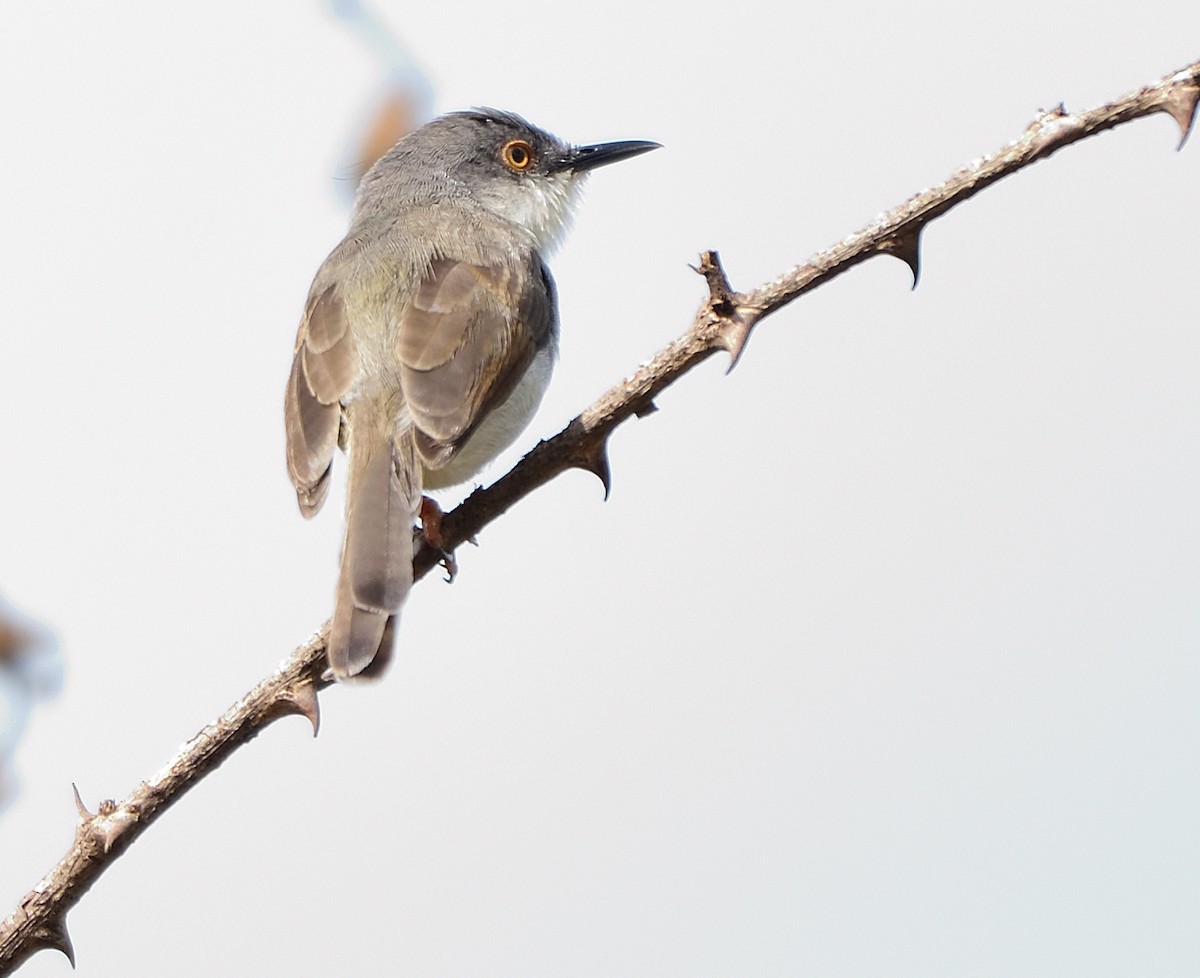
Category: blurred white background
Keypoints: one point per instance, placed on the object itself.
(882, 657)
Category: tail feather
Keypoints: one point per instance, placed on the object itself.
(382, 502)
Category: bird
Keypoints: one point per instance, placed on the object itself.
(427, 341)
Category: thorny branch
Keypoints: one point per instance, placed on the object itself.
(723, 322)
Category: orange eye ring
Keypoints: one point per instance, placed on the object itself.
(517, 155)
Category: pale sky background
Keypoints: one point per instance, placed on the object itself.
(882, 659)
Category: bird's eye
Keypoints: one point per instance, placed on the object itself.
(517, 154)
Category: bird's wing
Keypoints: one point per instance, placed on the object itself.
(465, 340)
(324, 370)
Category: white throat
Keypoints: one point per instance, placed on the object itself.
(542, 205)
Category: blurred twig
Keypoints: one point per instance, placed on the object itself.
(723, 322)
(31, 669)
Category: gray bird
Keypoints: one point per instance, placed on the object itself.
(427, 342)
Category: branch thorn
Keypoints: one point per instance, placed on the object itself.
(301, 700)
(84, 814)
(54, 935)
(734, 320)
(732, 336)
(906, 245)
(1180, 105)
(595, 460)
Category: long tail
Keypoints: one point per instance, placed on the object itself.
(382, 502)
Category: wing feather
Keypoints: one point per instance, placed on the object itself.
(324, 370)
(465, 340)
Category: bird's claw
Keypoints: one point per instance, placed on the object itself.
(431, 530)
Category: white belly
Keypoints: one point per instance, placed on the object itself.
(500, 428)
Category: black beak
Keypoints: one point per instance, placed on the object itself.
(583, 158)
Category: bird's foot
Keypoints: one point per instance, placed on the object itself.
(431, 529)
